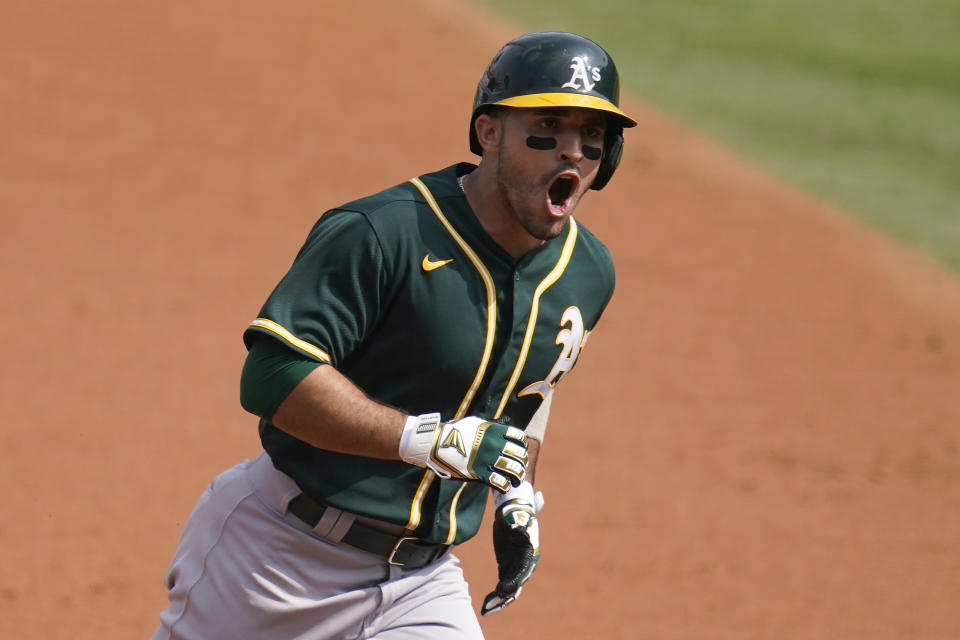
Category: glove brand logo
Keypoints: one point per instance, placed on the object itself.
(522, 518)
(454, 440)
(584, 77)
(571, 340)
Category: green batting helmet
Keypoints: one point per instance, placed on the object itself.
(556, 69)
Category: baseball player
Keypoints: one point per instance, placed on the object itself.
(403, 368)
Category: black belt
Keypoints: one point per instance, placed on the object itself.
(402, 551)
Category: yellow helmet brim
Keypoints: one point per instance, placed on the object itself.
(578, 100)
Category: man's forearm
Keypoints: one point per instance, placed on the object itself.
(328, 411)
(533, 451)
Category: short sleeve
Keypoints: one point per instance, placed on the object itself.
(330, 299)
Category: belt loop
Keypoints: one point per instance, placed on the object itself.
(333, 524)
(341, 526)
(327, 521)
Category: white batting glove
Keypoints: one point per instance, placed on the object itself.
(467, 449)
(516, 544)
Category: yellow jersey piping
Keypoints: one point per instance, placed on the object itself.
(551, 278)
(452, 535)
(428, 477)
(303, 345)
(414, 521)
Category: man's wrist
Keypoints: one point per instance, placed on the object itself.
(417, 437)
(523, 492)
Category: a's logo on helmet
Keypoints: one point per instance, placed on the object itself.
(584, 77)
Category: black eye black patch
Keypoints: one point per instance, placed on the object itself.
(592, 153)
(541, 144)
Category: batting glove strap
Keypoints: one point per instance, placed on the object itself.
(419, 432)
(522, 493)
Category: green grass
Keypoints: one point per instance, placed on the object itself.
(857, 101)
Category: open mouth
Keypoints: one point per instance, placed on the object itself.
(561, 191)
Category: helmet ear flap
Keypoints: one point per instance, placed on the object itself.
(612, 152)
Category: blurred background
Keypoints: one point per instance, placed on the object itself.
(761, 440)
(857, 102)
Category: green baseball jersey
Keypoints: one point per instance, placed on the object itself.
(406, 294)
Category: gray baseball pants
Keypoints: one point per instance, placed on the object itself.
(245, 568)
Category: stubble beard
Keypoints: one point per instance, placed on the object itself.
(518, 190)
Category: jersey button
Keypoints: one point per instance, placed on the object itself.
(516, 276)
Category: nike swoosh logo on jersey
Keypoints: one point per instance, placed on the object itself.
(430, 265)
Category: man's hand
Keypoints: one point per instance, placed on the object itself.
(467, 449)
(516, 544)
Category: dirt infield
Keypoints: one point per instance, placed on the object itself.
(760, 441)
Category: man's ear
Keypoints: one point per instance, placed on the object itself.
(489, 130)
